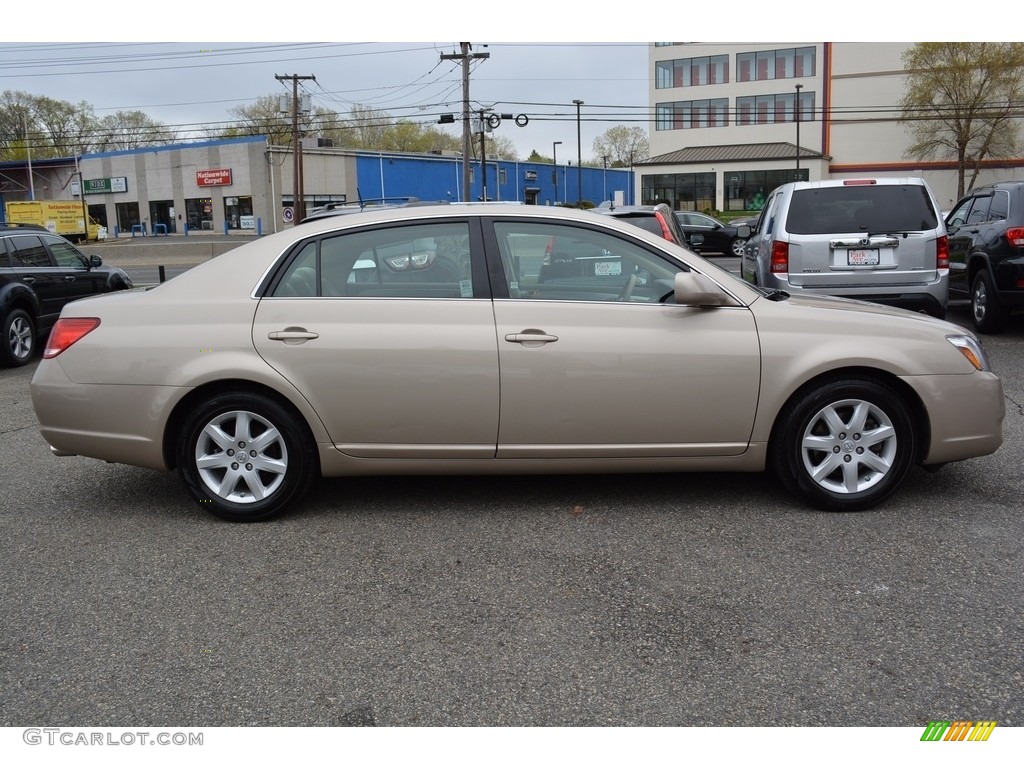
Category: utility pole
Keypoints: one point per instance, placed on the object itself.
(483, 157)
(467, 135)
(300, 203)
(579, 156)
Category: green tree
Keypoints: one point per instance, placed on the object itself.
(962, 103)
(622, 145)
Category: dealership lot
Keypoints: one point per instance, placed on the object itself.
(631, 600)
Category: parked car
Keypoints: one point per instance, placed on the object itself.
(878, 240)
(251, 377)
(986, 246)
(719, 237)
(745, 221)
(566, 258)
(40, 272)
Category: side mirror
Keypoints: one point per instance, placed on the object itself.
(743, 231)
(95, 261)
(695, 290)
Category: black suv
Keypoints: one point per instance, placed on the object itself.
(40, 272)
(986, 252)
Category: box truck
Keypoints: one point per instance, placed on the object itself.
(62, 217)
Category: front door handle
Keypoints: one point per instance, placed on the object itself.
(530, 337)
(293, 335)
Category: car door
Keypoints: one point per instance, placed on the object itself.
(600, 367)
(32, 264)
(388, 333)
(962, 226)
(79, 280)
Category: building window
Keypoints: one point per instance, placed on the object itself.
(683, 73)
(748, 190)
(682, 191)
(773, 108)
(705, 113)
(775, 65)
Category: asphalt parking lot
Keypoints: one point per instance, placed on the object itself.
(670, 600)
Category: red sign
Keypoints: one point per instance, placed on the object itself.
(216, 177)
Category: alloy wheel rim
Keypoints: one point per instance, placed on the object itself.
(848, 446)
(241, 457)
(20, 338)
(980, 297)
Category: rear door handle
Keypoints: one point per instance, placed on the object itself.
(69, 278)
(28, 279)
(293, 335)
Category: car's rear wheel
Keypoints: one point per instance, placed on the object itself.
(736, 246)
(19, 338)
(988, 314)
(844, 445)
(244, 457)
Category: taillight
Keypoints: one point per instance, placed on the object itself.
(665, 231)
(66, 332)
(780, 257)
(548, 249)
(858, 182)
(1015, 235)
(942, 252)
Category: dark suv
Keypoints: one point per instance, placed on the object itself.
(986, 252)
(40, 272)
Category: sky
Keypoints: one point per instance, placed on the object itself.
(227, 57)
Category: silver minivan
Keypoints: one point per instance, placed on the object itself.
(875, 239)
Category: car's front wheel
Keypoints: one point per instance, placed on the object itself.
(844, 445)
(988, 314)
(737, 246)
(19, 338)
(245, 458)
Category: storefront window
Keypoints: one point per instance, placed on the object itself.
(199, 213)
(238, 213)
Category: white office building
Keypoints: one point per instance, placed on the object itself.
(726, 125)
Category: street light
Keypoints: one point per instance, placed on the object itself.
(796, 115)
(554, 167)
(579, 155)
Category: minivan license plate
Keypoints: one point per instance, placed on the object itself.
(868, 258)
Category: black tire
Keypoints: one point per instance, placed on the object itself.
(844, 445)
(280, 457)
(988, 314)
(19, 338)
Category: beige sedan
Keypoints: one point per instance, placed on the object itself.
(502, 339)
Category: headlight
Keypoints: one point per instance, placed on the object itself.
(970, 348)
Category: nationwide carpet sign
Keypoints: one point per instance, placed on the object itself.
(214, 177)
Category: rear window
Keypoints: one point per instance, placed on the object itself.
(871, 209)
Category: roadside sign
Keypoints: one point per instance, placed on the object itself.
(288, 214)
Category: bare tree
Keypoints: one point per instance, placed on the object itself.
(17, 124)
(963, 102)
(622, 145)
(131, 130)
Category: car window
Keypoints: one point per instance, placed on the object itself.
(420, 261)
(979, 211)
(1000, 208)
(64, 252)
(28, 251)
(861, 208)
(960, 213)
(558, 262)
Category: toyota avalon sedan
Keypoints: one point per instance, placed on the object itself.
(429, 340)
